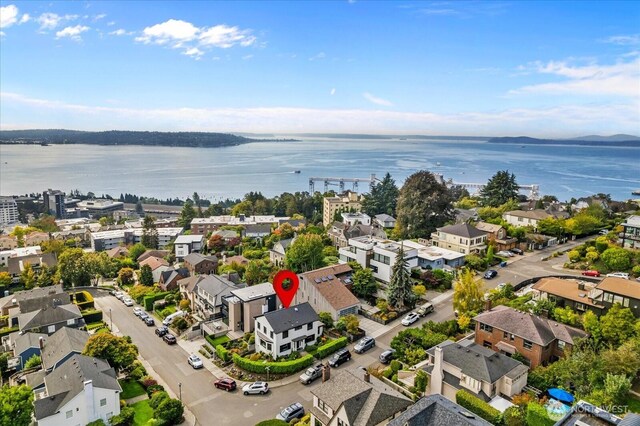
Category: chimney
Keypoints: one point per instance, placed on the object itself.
(326, 372)
(367, 376)
(89, 400)
(487, 304)
(580, 285)
(41, 343)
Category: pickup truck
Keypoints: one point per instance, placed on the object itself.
(311, 374)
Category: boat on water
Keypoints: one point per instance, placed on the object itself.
(636, 192)
(296, 171)
(44, 144)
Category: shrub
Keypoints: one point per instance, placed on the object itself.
(514, 416)
(125, 418)
(256, 356)
(153, 389)
(395, 366)
(98, 422)
(147, 381)
(284, 367)
(92, 316)
(537, 415)
(34, 361)
(180, 323)
(479, 407)
(169, 411)
(222, 353)
(184, 304)
(150, 299)
(331, 347)
(421, 381)
(157, 398)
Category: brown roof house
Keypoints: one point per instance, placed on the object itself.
(198, 263)
(328, 290)
(36, 238)
(618, 290)
(579, 295)
(498, 235)
(157, 264)
(15, 265)
(155, 253)
(354, 397)
(169, 278)
(118, 252)
(538, 339)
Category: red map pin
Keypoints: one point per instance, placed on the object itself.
(286, 283)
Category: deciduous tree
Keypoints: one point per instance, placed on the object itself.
(136, 251)
(16, 405)
(256, 272)
(364, 284)
(305, 254)
(118, 351)
(73, 269)
(468, 293)
(617, 325)
(616, 258)
(28, 276)
(125, 276)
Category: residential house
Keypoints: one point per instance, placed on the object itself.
(283, 331)
(187, 288)
(618, 290)
(431, 257)
(36, 238)
(205, 225)
(169, 278)
(578, 295)
(24, 347)
(245, 304)
(226, 234)
(295, 223)
(83, 236)
(105, 240)
(538, 339)
(540, 241)
(80, 391)
(478, 370)
(277, 253)
(385, 221)
(466, 215)
(463, 238)
(8, 243)
(497, 235)
(17, 252)
(630, 233)
(62, 345)
(197, 263)
(436, 410)
(118, 252)
(51, 317)
(240, 260)
(586, 414)
(153, 253)
(25, 301)
(352, 219)
(346, 202)
(157, 265)
(186, 244)
(209, 294)
(16, 264)
(586, 202)
(530, 217)
(340, 233)
(328, 290)
(257, 230)
(354, 397)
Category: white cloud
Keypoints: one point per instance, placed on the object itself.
(320, 55)
(619, 79)
(8, 16)
(49, 21)
(225, 37)
(194, 52)
(378, 101)
(120, 32)
(25, 18)
(72, 32)
(566, 120)
(247, 57)
(333, 91)
(99, 17)
(173, 31)
(625, 40)
(111, 23)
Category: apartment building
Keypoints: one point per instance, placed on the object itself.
(347, 202)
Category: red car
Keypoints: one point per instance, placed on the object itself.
(591, 273)
(226, 384)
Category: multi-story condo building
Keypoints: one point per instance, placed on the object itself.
(631, 232)
(463, 238)
(53, 200)
(100, 207)
(106, 240)
(205, 225)
(8, 211)
(347, 202)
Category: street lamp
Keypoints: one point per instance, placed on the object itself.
(267, 368)
(110, 320)
(180, 389)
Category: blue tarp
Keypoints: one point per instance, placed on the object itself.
(561, 395)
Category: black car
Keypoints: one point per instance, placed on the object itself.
(161, 331)
(340, 357)
(170, 339)
(149, 321)
(517, 251)
(387, 356)
(491, 273)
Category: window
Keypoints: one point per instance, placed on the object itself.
(341, 423)
(608, 297)
(625, 302)
(309, 326)
(271, 334)
(285, 334)
(310, 338)
(561, 345)
(71, 321)
(520, 219)
(527, 344)
(381, 258)
(298, 328)
(103, 402)
(486, 327)
(286, 347)
(487, 344)
(51, 329)
(579, 306)
(505, 335)
(69, 414)
(322, 405)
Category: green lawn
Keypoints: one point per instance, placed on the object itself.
(131, 389)
(633, 403)
(218, 340)
(144, 413)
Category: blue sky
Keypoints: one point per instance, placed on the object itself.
(441, 68)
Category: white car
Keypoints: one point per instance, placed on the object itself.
(127, 301)
(137, 311)
(410, 319)
(505, 253)
(195, 361)
(619, 275)
(255, 388)
(501, 286)
(119, 295)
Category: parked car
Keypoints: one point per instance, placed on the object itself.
(161, 331)
(127, 301)
(387, 356)
(255, 388)
(169, 319)
(225, 384)
(505, 253)
(311, 374)
(340, 357)
(490, 274)
(149, 321)
(294, 411)
(591, 273)
(119, 295)
(410, 319)
(143, 316)
(516, 251)
(170, 339)
(195, 361)
(619, 275)
(137, 311)
(364, 345)
(425, 309)
(603, 232)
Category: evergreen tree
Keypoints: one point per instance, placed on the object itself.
(139, 208)
(149, 233)
(198, 203)
(400, 291)
(187, 214)
(146, 275)
(502, 187)
(383, 198)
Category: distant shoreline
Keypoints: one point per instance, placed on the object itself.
(522, 140)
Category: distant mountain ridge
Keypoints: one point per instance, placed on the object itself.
(612, 138)
(592, 140)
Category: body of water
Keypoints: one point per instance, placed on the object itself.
(218, 173)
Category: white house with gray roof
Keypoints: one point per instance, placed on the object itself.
(83, 389)
(281, 332)
(436, 410)
(463, 238)
(209, 292)
(278, 252)
(355, 398)
(61, 346)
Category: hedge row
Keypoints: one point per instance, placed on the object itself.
(222, 353)
(479, 407)
(284, 367)
(92, 316)
(331, 347)
(83, 299)
(147, 302)
(537, 415)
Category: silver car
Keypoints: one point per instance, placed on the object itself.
(255, 388)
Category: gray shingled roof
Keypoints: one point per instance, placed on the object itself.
(62, 343)
(476, 361)
(13, 263)
(463, 230)
(217, 285)
(285, 319)
(34, 293)
(366, 404)
(35, 303)
(67, 381)
(385, 217)
(539, 330)
(26, 341)
(436, 410)
(48, 316)
(196, 258)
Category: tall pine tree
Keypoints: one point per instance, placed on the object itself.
(149, 233)
(400, 290)
(382, 198)
(502, 187)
